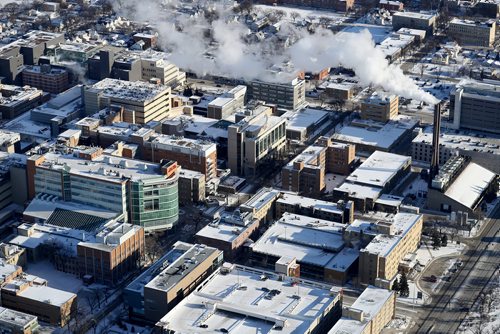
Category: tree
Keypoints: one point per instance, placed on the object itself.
(294, 16)
(444, 240)
(396, 286)
(404, 288)
(436, 240)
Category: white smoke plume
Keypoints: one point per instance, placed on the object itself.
(216, 44)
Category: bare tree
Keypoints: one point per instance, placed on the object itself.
(294, 16)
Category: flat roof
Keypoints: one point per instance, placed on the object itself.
(249, 300)
(47, 295)
(464, 140)
(16, 318)
(370, 302)
(414, 15)
(378, 169)
(470, 185)
(307, 202)
(309, 240)
(376, 134)
(359, 190)
(130, 90)
(303, 119)
(184, 145)
(109, 168)
(182, 266)
(261, 198)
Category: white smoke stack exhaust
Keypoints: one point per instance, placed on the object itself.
(229, 55)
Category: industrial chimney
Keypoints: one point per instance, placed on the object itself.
(434, 170)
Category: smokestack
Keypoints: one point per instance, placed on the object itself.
(434, 170)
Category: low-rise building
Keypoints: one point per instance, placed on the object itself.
(229, 233)
(262, 205)
(472, 33)
(414, 20)
(16, 322)
(47, 78)
(228, 103)
(305, 124)
(170, 280)
(379, 107)
(462, 186)
(399, 235)
(340, 212)
(306, 172)
(481, 149)
(191, 186)
(9, 141)
(316, 245)
(370, 136)
(377, 175)
(250, 299)
(16, 100)
(369, 314)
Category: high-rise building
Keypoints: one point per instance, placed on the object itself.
(138, 189)
(147, 102)
(47, 78)
(291, 95)
(253, 139)
(474, 105)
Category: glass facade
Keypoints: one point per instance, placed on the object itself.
(154, 203)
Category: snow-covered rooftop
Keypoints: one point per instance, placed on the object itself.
(470, 184)
(256, 301)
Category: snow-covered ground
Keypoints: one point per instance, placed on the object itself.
(56, 279)
(400, 322)
(304, 13)
(489, 323)
(426, 253)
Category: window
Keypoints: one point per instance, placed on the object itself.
(152, 204)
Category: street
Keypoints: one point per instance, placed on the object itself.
(456, 298)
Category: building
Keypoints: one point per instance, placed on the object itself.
(390, 5)
(379, 260)
(9, 141)
(144, 192)
(483, 150)
(377, 175)
(340, 212)
(262, 205)
(16, 100)
(461, 186)
(316, 245)
(116, 252)
(251, 299)
(253, 140)
(487, 8)
(13, 255)
(170, 280)
(369, 314)
(154, 65)
(414, 20)
(11, 64)
(28, 294)
(228, 103)
(290, 95)
(193, 154)
(338, 5)
(47, 78)
(17, 322)
(150, 40)
(472, 33)
(229, 233)
(380, 108)
(474, 105)
(340, 157)
(191, 187)
(306, 172)
(146, 102)
(370, 136)
(306, 124)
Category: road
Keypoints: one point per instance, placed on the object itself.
(451, 306)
